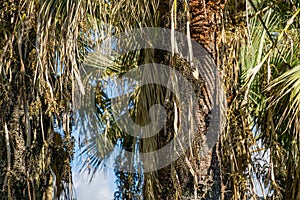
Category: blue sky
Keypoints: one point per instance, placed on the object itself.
(102, 186)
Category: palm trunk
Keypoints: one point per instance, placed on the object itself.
(196, 176)
(15, 181)
(25, 172)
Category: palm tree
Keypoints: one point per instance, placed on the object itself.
(255, 45)
(261, 138)
(238, 40)
(185, 176)
(42, 43)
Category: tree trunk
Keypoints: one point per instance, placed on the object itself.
(21, 177)
(195, 176)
